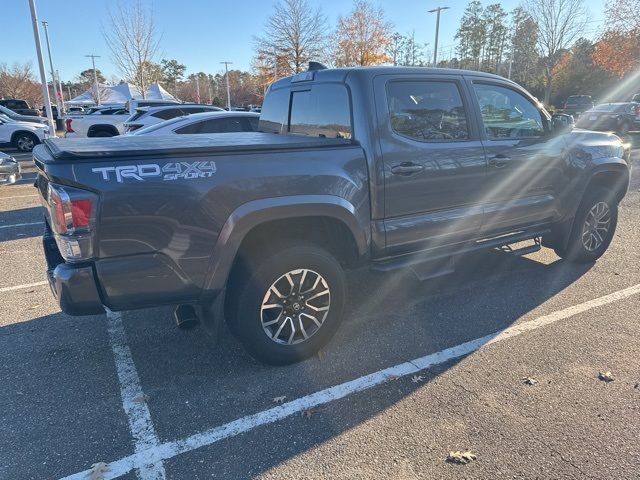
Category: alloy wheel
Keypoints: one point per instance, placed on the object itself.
(25, 143)
(295, 306)
(596, 226)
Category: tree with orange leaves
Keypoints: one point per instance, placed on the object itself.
(618, 49)
(362, 37)
(618, 52)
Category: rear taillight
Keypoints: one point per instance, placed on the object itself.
(72, 215)
(67, 125)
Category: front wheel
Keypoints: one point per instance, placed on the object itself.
(288, 305)
(25, 142)
(593, 229)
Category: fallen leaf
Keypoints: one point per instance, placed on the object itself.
(98, 470)
(636, 385)
(605, 376)
(417, 378)
(307, 412)
(529, 380)
(142, 398)
(320, 355)
(461, 457)
(279, 399)
(392, 377)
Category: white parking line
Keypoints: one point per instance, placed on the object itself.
(134, 402)
(169, 450)
(18, 196)
(20, 287)
(20, 225)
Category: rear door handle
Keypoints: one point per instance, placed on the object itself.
(499, 161)
(406, 168)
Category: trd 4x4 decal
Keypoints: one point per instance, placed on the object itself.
(169, 171)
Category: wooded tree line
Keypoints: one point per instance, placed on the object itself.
(540, 45)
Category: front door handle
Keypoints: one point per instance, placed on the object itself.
(498, 161)
(406, 168)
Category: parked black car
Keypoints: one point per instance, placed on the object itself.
(19, 106)
(577, 104)
(611, 117)
(9, 169)
(386, 167)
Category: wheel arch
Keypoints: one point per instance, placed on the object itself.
(248, 221)
(15, 135)
(613, 176)
(93, 129)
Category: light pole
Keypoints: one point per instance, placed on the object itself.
(60, 91)
(45, 24)
(435, 47)
(43, 74)
(226, 74)
(95, 76)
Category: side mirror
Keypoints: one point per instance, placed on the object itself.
(562, 123)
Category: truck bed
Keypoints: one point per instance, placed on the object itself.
(96, 149)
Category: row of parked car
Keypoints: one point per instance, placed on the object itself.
(109, 121)
(619, 117)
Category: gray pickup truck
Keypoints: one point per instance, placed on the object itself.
(385, 167)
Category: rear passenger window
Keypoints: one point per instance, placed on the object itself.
(427, 111)
(273, 118)
(323, 111)
(507, 113)
(168, 113)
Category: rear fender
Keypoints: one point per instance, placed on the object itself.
(254, 213)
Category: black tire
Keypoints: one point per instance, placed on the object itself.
(575, 249)
(247, 291)
(25, 141)
(102, 133)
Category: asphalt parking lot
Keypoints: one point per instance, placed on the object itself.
(417, 370)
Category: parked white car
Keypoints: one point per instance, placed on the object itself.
(207, 122)
(105, 122)
(152, 115)
(21, 135)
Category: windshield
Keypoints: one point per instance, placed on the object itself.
(578, 100)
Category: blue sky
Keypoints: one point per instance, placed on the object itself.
(202, 33)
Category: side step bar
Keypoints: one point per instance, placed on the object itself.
(426, 265)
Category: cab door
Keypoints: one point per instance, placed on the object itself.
(433, 159)
(524, 161)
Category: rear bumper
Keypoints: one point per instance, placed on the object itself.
(74, 287)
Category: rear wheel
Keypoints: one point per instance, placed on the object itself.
(593, 229)
(289, 304)
(25, 141)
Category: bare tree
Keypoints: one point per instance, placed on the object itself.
(294, 34)
(132, 38)
(363, 37)
(18, 81)
(560, 23)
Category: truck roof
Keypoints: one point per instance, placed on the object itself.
(97, 149)
(341, 74)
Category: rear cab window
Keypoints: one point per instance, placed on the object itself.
(321, 110)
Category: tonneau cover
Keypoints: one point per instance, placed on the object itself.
(160, 145)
